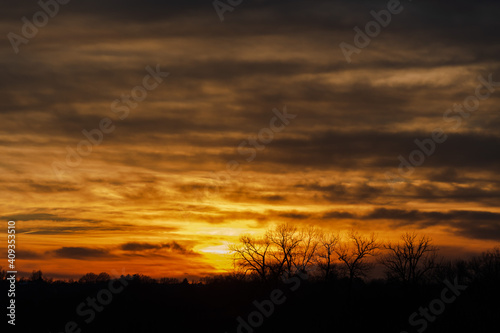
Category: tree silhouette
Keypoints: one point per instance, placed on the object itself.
(305, 252)
(354, 252)
(103, 277)
(36, 276)
(88, 278)
(285, 239)
(326, 254)
(252, 255)
(167, 280)
(284, 249)
(486, 267)
(410, 260)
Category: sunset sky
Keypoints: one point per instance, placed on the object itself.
(156, 197)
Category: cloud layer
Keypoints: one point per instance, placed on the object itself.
(159, 183)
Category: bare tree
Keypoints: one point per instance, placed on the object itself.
(410, 260)
(486, 267)
(103, 277)
(354, 252)
(285, 239)
(326, 254)
(36, 276)
(284, 249)
(251, 255)
(168, 280)
(88, 278)
(307, 248)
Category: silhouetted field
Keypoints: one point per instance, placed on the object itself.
(306, 305)
(288, 285)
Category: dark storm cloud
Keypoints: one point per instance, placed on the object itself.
(56, 230)
(133, 246)
(139, 247)
(273, 198)
(461, 11)
(81, 253)
(27, 254)
(101, 81)
(375, 149)
(416, 215)
(470, 224)
(51, 187)
(340, 192)
(445, 175)
(36, 217)
(342, 151)
(338, 215)
(295, 215)
(483, 225)
(479, 230)
(483, 191)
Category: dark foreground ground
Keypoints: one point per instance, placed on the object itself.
(142, 307)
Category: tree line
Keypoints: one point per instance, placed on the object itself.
(287, 249)
(37, 276)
